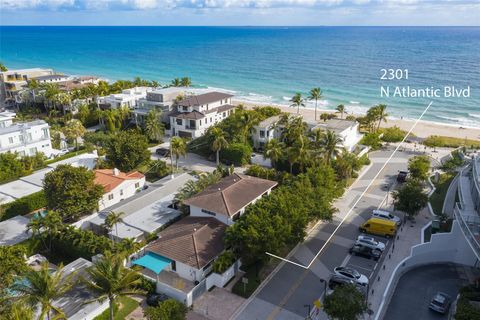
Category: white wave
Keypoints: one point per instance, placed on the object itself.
(461, 121)
(286, 98)
(354, 102)
(474, 115)
(254, 97)
(222, 90)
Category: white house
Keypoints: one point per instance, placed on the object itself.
(158, 99)
(118, 185)
(128, 98)
(195, 114)
(51, 78)
(227, 199)
(12, 82)
(265, 131)
(347, 130)
(26, 138)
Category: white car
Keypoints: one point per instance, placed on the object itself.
(370, 242)
(386, 216)
(351, 274)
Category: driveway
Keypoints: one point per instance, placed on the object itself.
(288, 291)
(416, 288)
(218, 304)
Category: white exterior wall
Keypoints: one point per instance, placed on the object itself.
(125, 190)
(35, 139)
(128, 98)
(178, 295)
(270, 133)
(201, 125)
(350, 137)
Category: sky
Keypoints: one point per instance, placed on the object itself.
(241, 12)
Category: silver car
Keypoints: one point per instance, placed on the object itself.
(440, 302)
(351, 274)
(370, 242)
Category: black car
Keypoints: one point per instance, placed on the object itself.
(364, 251)
(155, 299)
(402, 176)
(163, 152)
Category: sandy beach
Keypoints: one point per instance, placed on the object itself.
(423, 129)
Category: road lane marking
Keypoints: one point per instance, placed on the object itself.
(361, 196)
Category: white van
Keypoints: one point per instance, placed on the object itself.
(386, 216)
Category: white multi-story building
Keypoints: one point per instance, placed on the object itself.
(158, 99)
(51, 78)
(128, 98)
(195, 114)
(12, 82)
(25, 138)
(118, 185)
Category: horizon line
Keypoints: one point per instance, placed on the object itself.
(248, 26)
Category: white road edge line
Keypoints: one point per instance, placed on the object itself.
(358, 200)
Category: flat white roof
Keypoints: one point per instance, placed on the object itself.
(18, 188)
(13, 231)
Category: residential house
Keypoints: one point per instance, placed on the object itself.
(118, 185)
(195, 114)
(51, 78)
(347, 130)
(227, 199)
(128, 98)
(158, 99)
(13, 82)
(265, 131)
(26, 138)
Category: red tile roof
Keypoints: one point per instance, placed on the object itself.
(194, 241)
(231, 194)
(109, 180)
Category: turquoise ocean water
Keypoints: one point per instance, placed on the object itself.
(270, 64)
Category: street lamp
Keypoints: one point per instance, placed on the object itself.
(324, 287)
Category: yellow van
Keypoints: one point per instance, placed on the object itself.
(381, 227)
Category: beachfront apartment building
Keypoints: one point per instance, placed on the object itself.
(26, 138)
(227, 199)
(128, 98)
(118, 185)
(51, 78)
(13, 82)
(162, 99)
(270, 128)
(195, 114)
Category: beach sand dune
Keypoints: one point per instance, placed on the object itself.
(423, 129)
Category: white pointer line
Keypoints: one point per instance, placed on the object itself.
(360, 198)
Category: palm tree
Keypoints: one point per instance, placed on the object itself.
(292, 157)
(43, 287)
(297, 101)
(123, 113)
(178, 147)
(46, 227)
(130, 246)
(51, 90)
(153, 126)
(330, 145)
(112, 220)
(325, 117)
(247, 121)
(218, 141)
(340, 108)
(109, 279)
(33, 86)
(381, 114)
(63, 99)
(185, 82)
(315, 94)
(74, 130)
(19, 310)
(302, 150)
(316, 136)
(176, 82)
(273, 151)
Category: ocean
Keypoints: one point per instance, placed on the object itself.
(271, 64)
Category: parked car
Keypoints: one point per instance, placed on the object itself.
(352, 274)
(336, 280)
(370, 242)
(163, 152)
(381, 227)
(440, 302)
(155, 299)
(380, 214)
(365, 251)
(402, 176)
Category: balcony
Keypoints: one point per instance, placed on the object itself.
(23, 143)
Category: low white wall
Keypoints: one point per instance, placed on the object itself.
(181, 296)
(451, 247)
(84, 223)
(220, 280)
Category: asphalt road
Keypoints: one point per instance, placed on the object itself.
(287, 293)
(416, 288)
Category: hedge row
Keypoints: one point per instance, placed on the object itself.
(23, 205)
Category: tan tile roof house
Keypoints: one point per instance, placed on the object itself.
(231, 194)
(111, 178)
(194, 241)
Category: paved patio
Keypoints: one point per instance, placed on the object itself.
(218, 304)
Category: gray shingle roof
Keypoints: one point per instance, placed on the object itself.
(204, 99)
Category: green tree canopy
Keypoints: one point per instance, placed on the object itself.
(419, 167)
(71, 191)
(411, 198)
(127, 150)
(12, 262)
(167, 310)
(345, 303)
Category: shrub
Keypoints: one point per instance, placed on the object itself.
(147, 285)
(266, 173)
(224, 261)
(393, 134)
(450, 142)
(167, 310)
(23, 205)
(237, 153)
(372, 140)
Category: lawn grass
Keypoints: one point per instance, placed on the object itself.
(450, 142)
(127, 306)
(245, 290)
(438, 197)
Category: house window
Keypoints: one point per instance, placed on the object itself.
(179, 122)
(262, 134)
(192, 124)
(209, 212)
(45, 132)
(121, 192)
(174, 266)
(10, 140)
(110, 196)
(33, 151)
(137, 185)
(185, 108)
(224, 114)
